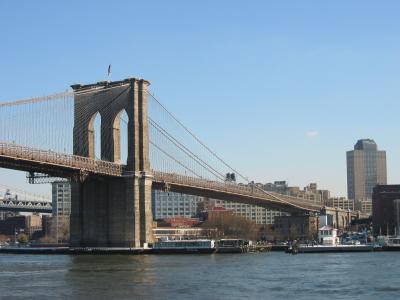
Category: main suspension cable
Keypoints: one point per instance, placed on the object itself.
(197, 139)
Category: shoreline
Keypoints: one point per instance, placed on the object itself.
(150, 251)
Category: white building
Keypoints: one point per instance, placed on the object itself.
(258, 214)
(170, 204)
(340, 202)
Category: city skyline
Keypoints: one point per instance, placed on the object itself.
(295, 95)
(185, 149)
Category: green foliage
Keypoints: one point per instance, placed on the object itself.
(22, 238)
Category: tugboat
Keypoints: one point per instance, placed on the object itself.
(329, 242)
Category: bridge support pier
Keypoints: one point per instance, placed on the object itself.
(112, 211)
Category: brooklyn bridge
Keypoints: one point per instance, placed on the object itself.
(116, 142)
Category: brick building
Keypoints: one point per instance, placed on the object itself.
(384, 209)
(296, 227)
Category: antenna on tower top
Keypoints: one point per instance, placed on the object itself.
(109, 70)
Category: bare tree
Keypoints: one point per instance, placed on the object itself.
(229, 225)
(59, 231)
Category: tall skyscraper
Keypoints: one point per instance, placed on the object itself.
(366, 167)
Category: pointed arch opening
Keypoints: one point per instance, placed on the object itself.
(94, 136)
(120, 136)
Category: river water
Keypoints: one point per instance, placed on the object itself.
(272, 275)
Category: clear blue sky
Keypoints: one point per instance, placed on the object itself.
(281, 89)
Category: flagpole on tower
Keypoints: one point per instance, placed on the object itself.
(109, 71)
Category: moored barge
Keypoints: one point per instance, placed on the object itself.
(184, 247)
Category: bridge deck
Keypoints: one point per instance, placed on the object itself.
(25, 157)
(30, 159)
(230, 191)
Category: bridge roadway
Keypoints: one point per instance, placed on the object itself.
(22, 158)
(231, 192)
(13, 156)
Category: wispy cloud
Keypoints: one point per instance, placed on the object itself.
(312, 133)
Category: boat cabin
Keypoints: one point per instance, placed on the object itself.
(185, 244)
(327, 235)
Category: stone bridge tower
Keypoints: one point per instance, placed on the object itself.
(106, 211)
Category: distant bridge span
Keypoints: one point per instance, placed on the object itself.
(13, 199)
(19, 205)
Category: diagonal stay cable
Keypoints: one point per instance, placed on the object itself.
(183, 148)
(187, 151)
(208, 149)
(174, 159)
(196, 138)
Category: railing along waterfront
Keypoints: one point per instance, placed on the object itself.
(228, 187)
(60, 159)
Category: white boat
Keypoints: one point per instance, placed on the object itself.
(184, 246)
(331, 248)
(389, 243)
(329, 242)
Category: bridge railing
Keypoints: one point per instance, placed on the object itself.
(232, 188)
(61, 159)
